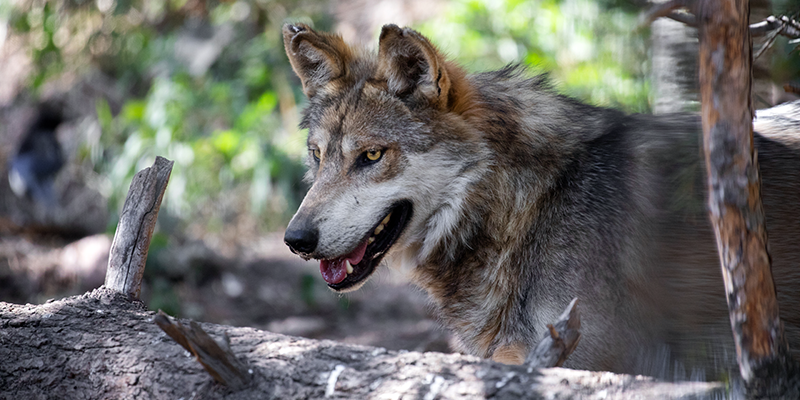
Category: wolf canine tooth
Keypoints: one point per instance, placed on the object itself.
(348, 266)
(379, 229)
(386, 220)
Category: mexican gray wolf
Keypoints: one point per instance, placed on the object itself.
(505, 200)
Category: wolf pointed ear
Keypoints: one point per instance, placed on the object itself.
(317, 58)
(412, 66)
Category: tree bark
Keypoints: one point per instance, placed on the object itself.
(137, 221)
(102, 346)
(734, 200)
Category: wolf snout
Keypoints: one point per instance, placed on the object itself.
(301, 239)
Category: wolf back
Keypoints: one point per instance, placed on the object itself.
(504, 200)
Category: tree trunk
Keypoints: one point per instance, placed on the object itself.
(735, 207)
(102, 346)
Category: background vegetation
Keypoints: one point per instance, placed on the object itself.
(206, 83)
(229, 120)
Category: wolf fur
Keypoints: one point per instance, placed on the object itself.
(515, 199)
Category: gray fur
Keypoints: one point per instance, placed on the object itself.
(524, 199)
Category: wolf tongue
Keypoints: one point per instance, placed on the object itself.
(334, 271)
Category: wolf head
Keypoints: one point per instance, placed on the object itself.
(390, 152)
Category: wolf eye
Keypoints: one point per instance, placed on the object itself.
(316, 153)
(369, 157)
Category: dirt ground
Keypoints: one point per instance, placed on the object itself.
(222, 280)
(260, 285)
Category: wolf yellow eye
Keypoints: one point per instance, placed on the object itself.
(317, 154)
(369, 157)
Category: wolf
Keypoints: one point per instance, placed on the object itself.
(505, 199)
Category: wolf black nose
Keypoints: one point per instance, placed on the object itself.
(301, 240)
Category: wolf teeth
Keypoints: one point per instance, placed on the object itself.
(348, 266)
(379, 228)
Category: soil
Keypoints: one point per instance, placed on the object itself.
(224, 280)
(260, 285)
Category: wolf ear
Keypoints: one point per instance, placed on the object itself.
(412, 67)
(317, 58)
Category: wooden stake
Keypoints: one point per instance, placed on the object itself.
(137, 220)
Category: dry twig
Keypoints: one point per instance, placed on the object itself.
(780, 25)
(663, 10)
(216, 358)
(561, 340)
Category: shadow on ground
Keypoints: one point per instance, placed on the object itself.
(260, 285)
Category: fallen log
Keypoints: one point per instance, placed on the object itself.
(105, 344)
(101, 345)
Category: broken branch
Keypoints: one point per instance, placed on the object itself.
(663, 10)
(560, 342)
(216, 358)
(779, 26)
(137, 221)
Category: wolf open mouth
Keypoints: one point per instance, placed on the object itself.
(351, 269)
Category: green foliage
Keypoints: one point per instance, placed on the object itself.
(587, 46)
(164, 297)
(307, 284)
(230, 128)
(222, 142)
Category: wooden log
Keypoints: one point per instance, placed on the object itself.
(137, 220)
(735, 207)
(100, 345)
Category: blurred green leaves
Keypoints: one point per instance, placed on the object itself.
(229, 122)
(221, 140)
(588, 46)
